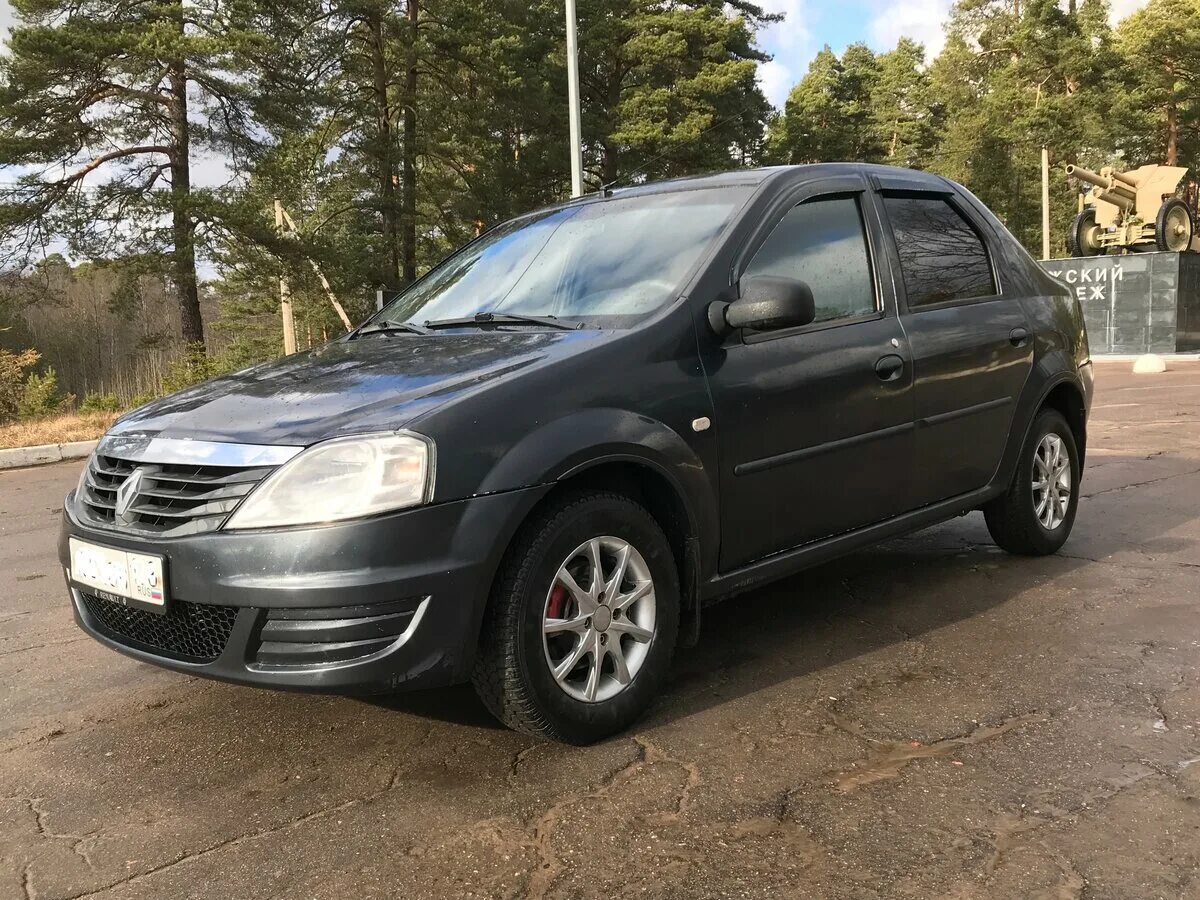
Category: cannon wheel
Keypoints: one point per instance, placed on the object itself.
(1084, 236)
(1173, 229)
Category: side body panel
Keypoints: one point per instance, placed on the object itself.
(814, 442)
(1058, 356)
(970, 366)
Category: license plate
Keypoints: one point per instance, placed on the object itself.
(135, 579)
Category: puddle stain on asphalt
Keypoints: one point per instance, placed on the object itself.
(889, 759)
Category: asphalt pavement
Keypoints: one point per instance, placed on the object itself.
(929, 718)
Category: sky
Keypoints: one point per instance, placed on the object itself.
(810, 24)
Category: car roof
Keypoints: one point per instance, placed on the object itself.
(913, 178)
(758, 176)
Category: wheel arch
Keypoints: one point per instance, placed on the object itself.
(614, 450)
(1062, 391)
(1067, 398)
(652, 487)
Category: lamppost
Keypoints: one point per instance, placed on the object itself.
(573, 98)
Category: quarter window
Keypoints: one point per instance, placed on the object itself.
(942, 257)
(823, 244)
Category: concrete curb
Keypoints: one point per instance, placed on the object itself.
(23, 457)
(1133, 357)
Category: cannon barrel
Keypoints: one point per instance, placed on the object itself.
(1119, 191)
(1113, 181)
(1125, 178)
(1087, 175)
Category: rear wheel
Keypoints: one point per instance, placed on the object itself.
(1173, 229)
(582, 622)
(1035, 515)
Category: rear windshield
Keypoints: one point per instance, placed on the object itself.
(608, 263)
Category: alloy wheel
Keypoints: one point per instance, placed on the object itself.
(1051, 481)
(599, 619)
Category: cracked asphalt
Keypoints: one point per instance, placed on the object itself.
(929, 718)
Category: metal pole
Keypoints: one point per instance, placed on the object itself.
(285, 295)
(573, 99)
(1045, 202)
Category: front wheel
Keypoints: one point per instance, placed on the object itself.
(1084, 237)
(1035, 515)
(582, 622)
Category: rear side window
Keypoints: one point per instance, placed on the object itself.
(942, 257)
(822, 243)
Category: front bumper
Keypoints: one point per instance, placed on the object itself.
(376, 605)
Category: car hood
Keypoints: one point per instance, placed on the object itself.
(376, 383)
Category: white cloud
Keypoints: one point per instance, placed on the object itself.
(793, 32)
(776, 81)
(1119, 9)
(6, 15)
(790, 43)
(921, 20)
(210, 171)
(924, 22)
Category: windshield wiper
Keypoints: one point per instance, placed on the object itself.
(486, 318)
(386, 327)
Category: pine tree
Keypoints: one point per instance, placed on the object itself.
(1160, 45)
(670, 89)
(104, 104)
(813, 127)
(902, 112)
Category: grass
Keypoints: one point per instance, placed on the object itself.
(56, 430)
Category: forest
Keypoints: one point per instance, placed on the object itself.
(144, 144)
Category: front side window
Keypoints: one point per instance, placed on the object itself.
(942, 257)
(822, 243)
(606, 263)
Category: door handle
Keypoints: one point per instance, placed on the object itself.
(889, 367)
(1018, 337)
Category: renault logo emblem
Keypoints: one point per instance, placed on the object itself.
(127, 493)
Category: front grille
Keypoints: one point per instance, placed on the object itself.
(191, 632)
(173, 500)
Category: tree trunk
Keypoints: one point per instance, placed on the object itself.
(387, 166)
(183, 228)
(1172, 129)
(608, 162)
(409, 170)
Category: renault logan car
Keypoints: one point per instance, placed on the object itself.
(536, 466)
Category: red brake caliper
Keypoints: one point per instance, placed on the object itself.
(556, 606)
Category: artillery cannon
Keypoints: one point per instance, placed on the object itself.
(1142, 209)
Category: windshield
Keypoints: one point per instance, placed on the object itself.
(607, 263)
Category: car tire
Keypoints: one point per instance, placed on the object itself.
(519, 668)
(1018, 521)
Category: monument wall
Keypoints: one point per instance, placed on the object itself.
(1137, 303)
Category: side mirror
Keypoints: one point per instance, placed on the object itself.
(766, 304)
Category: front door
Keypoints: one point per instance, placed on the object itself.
(815, 422)
(971, 344)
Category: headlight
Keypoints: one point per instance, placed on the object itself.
(344, 478)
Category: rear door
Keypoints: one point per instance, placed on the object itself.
(971, 344)
(815, 422)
